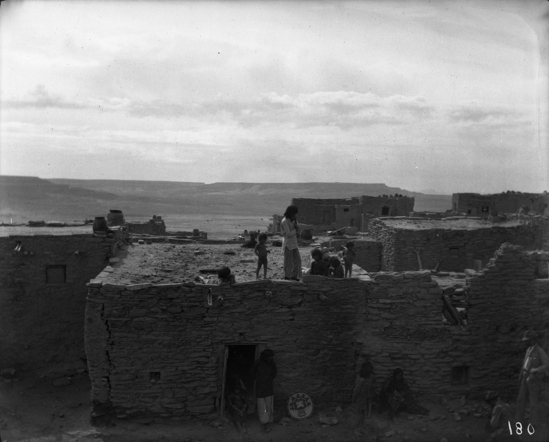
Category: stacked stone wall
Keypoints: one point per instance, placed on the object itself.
(171, 329)
(449, 249)
(404, 327)
(40, 323)
(385, 235)
(507, 300)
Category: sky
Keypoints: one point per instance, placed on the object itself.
(444, 96)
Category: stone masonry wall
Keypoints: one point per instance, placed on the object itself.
(398, 206)
(404, 327)
(348, 215)
(456, 250)
(170, 329)
(43, 323)
(386, 235)
(506, 301)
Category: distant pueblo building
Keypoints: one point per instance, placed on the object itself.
(164, 350)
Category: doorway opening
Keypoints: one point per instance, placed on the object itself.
(385, 210)
(239, 360)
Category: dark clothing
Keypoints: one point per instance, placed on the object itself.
(264, 373)
(319, 268)
(337, 272)
(396, 396)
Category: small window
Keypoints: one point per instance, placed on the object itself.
(485, 209)
(460, 375)
(154, 376)
(454, 248)
(56, 274)
(346, 209)
(469, 212)
(385, 210)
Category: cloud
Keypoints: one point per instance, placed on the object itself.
(40, 98)
(487, 115)
(342, 109)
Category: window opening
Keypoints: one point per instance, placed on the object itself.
(154, 376)
(385, 210)
(460, 375)
(346, 209)
(56, 274)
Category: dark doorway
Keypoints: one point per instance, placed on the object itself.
(238, 372)
(385, 210)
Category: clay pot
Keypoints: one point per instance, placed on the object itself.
(115, 218)
(100, 224)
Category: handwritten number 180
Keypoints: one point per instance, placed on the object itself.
(518, 428)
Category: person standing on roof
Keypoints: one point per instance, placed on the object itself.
(534, 368)
(290, 231)
(264, 372)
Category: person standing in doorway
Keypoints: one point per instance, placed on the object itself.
(292, 258)
(264, 373)
(533, 370)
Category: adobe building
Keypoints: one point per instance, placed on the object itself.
(449, 244)
(352, 212)
(165, 350)
(476, 204)
(155, 226)
(43, 291)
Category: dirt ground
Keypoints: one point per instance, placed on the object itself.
(54, 405)
(33, 409)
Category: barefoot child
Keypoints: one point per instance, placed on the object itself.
(363, 395)
(349, 255)
(261, 252)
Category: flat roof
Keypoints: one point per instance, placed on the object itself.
(161, 263)
(445, 224)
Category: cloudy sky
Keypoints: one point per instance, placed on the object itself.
(448, 96)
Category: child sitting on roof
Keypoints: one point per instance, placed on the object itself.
(224, 276)
(318, 265)
(336, 269)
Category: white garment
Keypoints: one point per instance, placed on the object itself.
(289, 233)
